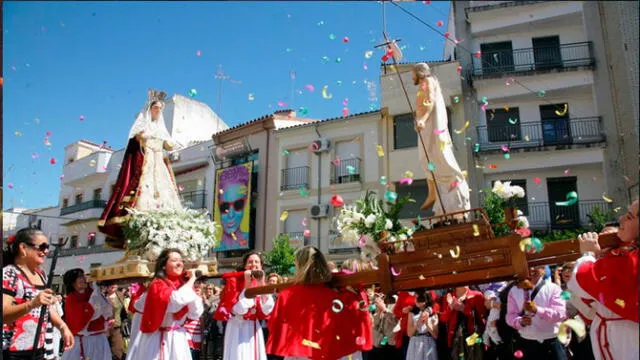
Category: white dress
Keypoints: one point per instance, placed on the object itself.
(95, 345)
(137, 318)
(157, 187)
(422, 346)
(438, 143)
(172, 344)
(623, 333)
(243, 339)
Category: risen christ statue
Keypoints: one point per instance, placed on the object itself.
(431, 125)
(145, 181)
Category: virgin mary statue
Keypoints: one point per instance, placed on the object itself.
(146, 181)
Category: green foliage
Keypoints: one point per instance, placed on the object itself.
(281, 259)
(598, 218)
(494, 206)
(555, 235)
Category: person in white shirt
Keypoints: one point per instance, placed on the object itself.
(535, 308)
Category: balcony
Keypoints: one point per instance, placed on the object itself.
(294, 178)
(346, 171)
(557, 132)
(542, 215)
(91, 204)
(194, 199)
(536, 59)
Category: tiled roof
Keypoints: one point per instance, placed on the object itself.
(260, 119)
(328, 120)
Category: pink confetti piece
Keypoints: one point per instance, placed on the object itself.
(407, 181)
(477, 54)
(61, 177)
(345, 112)
(306, 233)
(336, 161)
(198, 53)
(52, 161)
(518, 354)
(453, 185)
(81, 117)
(360, 341)
(34, 156)
(180, 187)
(48, 133)
(347, 271)
(439, 23)
(337, 201)
(459, 68)
(483, 107)
(345, 102)
(394, 272)
(364, 66)
(447, 34)
(567, 171)
(427, 2)
(504, 148)
(309, 87)
(345, 39)
(362, 241)
(10, 185)
(304, 222)
(537, 180)
(438, 132)
(282, 104)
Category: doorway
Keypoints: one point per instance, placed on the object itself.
(563, 216)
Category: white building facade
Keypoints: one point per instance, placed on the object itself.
(530, 73)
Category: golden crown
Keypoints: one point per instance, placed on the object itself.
(156, 95)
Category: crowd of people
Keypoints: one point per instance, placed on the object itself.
(177, 316)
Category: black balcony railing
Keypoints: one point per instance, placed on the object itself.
(194, 199)
(299, 235)
(543, 215)
(346, 171)
(91, 204)
(544, 133)
(294, 178)
(536, 58)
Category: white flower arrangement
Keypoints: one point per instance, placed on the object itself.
(190, 231)
(366, 222)
(506, 191)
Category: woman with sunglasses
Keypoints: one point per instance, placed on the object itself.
(24, 294)
(231, 202)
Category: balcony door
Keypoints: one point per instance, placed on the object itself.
(503, 125)
(348, 168)
(297, 174)
(555, 128)
(497, 57)
(546, 52)
(562, 216)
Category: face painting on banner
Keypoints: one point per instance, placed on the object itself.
(232, 206)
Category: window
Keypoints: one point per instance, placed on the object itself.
(91, 239)
(97, 194)
(293, 226)
(497, 57)
(417, 191)
(296, 173)
(566, 216)
(503, 125)
(78, 199)
(65, 203)
(348, 168)
(546, 52)
(555, 128)
(521, 204)
(404, 134)
(74, 242)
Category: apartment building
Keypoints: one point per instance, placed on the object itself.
(532, 80)
(313, 163)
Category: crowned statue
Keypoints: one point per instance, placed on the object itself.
(145, 181)
(436, 150)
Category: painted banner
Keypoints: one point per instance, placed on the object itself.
(232, 206)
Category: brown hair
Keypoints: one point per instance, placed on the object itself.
(311, 266)
(276, 276)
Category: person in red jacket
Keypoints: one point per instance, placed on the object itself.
(465, 315)
(86, 312)
(313, 321)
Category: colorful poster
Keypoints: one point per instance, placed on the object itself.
(232, 206)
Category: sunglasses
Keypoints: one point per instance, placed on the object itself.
(237, 205)
(41, 247)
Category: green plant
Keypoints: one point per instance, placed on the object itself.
(598, 218)
(555, 235)
(281, 259)
(494, 206)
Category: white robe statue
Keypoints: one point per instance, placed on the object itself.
(431, 123)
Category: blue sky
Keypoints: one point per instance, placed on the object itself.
(64, 60)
